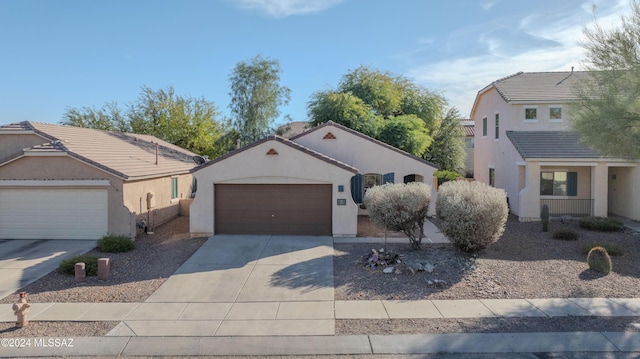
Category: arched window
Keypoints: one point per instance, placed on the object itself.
(413, 178)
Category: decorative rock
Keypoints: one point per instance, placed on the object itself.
(104, 265)
(81, 273)
(428, 267)
(388, 270)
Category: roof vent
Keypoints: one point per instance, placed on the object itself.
(272, 152)
(329, 136)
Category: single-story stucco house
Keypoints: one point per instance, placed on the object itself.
(61, 182)
(310, 184)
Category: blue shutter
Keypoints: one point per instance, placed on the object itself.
(357, 188)
(388, 178)
(572, 183)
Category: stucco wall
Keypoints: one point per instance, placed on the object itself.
(624, 199)
(135, 198)
(289, 166)
(12, 143)
(368, 156)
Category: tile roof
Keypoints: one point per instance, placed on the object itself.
(294, 128)
(287, 142)
(550, 144)
(469, 128)
(356, 133)
(126, 155)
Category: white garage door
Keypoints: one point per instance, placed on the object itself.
(57, 213)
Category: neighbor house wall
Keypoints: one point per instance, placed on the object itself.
(66, 168)
(135, 198)
(289, 166)
(624, 197)
(11, 144)
(368, 156)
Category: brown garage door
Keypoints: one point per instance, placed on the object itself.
(273, 209)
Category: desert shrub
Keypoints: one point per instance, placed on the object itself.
(599, 260)
(472, 214)
(602, 224)
(115, 244)
(400, 207)
(566, 235)
(445, 176)
(68, 266)
(612, 248)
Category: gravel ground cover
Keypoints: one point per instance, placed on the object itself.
(524, 263)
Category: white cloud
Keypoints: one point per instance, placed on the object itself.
(487, 5)
(284, 8)
(557, 50)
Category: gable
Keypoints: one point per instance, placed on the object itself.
(359, 150)
(12, 144)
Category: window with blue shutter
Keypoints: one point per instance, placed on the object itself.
(174, 187)
(388, 178)
(357, 188)
(572, 183)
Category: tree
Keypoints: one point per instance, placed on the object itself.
(256, 95)
(190, 123)
(384, 106)
(400, 207)
(447, 150)
(607, 114)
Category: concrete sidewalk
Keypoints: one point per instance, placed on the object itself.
(498, 343)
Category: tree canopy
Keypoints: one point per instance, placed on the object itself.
(256, 94)
(447, 150)
(607, 114)
(382, 105)
(191, 123)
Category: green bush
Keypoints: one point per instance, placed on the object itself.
(68, 266)
(472, 214)
(115, 244)
(602, 224)
(566, 235)
(446, 176)
(599, 260)
(612, 248)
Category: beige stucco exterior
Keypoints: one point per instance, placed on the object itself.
(123, 197)
(367, 155)
(12, 144)
(289, 166)
(521, 177)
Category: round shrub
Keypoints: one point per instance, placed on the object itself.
(612, 248)
(472, 214)
(445, 176)
(68, 266)
(599, 260)
(602, 224)
(115, 244)
(566, 235)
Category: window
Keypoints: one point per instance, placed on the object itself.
(558, 183)
(360, 183)
(531, 114)
(555, 114)
(492, 177)
(497, 126)
(484, 127)
(371, 180)
(174, 188)
(469, 142)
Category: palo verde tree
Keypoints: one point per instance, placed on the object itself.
(607, 115)
(382, 105)
(191, 123)
(256, 94)
(400, 207)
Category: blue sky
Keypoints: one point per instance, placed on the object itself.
(77, 53)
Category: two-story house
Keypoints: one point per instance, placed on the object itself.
(523, 144)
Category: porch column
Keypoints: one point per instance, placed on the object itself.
(530, 195)
(599, 189)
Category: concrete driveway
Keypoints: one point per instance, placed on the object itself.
(23, 261)
(244, 285)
